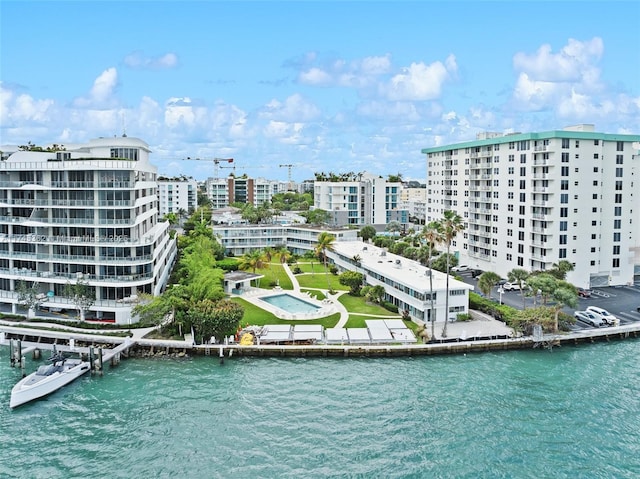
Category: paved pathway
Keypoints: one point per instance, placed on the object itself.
(344, 314)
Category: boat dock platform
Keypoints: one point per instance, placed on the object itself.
(110, 348)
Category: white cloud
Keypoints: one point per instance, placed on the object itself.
(295, 108)
(419, 81)
(102, 92)
(137, 60)
(535, 94)
(574, 63)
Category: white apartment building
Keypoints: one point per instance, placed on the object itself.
(88, 212)
(530, 200)
(177, 194)
(368, 200)
(299, 239)
(406, 282)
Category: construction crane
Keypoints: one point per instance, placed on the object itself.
(216, 163)
(290, 183)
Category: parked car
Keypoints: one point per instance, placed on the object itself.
(584, 293)
(512, 286)
(460, 268)
(605, 315)
(501, 282)
(589, 318)
(476, 272)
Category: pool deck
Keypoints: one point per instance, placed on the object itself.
(330, 305)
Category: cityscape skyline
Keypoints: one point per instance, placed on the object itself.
(323, 86)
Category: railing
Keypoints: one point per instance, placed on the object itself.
(106, 240)
(24, 272)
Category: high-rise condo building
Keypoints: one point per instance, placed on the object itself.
(530, 200)
(83, 213)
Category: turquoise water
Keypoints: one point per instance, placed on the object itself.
(290, 304)
(569, 413)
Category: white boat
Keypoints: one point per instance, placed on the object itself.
(47, 379)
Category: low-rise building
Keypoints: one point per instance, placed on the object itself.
(406, 282)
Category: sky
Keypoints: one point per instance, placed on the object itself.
(323, 86)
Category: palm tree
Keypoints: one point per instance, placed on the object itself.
(519, 275)
(450, 226)
(324, 244)
(487, 281)
(253, 260)
(431, 233)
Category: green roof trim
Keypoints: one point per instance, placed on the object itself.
(501, 140)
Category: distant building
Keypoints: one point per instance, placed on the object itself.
(239, 239)
(177, 194)
(530, 200)
(224, 192)
(367, 200)
(90, 213)
(414, 200)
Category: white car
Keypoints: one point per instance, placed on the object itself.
(460, 268)
(603, 314)
(508, 286)
(589, 318)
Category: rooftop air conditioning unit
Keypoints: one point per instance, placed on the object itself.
(383, 253)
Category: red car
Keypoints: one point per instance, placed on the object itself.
(584, 293)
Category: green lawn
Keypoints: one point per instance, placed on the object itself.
(272, 275)
(358, 304)
(316, 267)
(319, 281)
(319, 295)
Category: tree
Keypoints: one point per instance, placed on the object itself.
(317, 217)
(450, 226)
(325, 243)
(367, 232)
(216, 319)
(394, 227)
(29, 297)
(253, 260)
(440, 263)
(519, 275)
(487, 281)
(561, 268)
(375, 294)
(81, 295)
(353, 280)
(432, 236)
(565, 295)
(543, 283)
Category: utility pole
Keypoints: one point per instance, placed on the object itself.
(290, 183)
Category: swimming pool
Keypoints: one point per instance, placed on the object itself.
(290, 304)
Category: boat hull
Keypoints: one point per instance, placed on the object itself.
(32, 387)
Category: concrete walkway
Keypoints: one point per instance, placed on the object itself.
(344, 314)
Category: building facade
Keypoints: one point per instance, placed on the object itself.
(89, 213)
(414, 200)
(299, 239)
(177, 195)
(406, 282)
(224, 192)
(530, 200)
(367, 200)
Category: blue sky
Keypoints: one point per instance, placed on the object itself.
(326, 86)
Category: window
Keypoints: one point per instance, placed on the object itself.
(562, 253)
(564, 212)
(509, 232)
(510, 195)
(523, 171)
(564, 184)
(509, 256)
(523, 158)
(523, 184)
(617, 224)
(616, 237)
(620, 146)
(563, 239)
(618, 185)
(616, 262)
(520, 261)
(594, 196)
(564, 198)
(509, 244)
(593, 249)
(618, 159)
(565, 143)
(563, 226)
(618, 172)
(616, 249)
(618, 198)
(593, 236)
(523, 197)
(565, 157)
(521, 223)
(510, 170)
(564, 171)
(577, 143)
(510, 183)
(521, 210)
(520, 248)
(510, 220)
(617, 211)
(520, 235)
(595, 182)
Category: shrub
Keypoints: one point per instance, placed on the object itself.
(227, 264)
(463, 317)
(297, 270)
(390, 306)
(333, 269)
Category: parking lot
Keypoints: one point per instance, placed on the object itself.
(621, 301)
